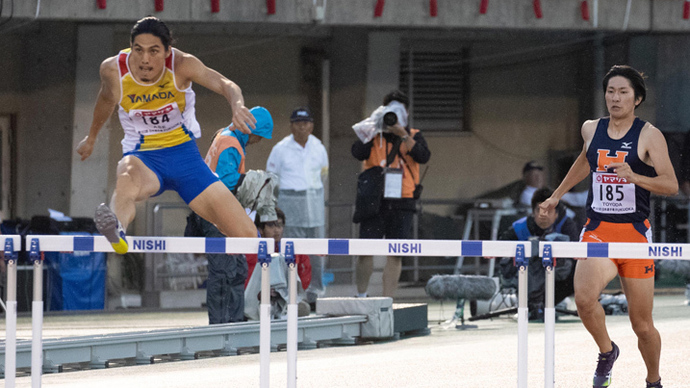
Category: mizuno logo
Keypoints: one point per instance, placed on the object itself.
(627, 145)
(162, 85)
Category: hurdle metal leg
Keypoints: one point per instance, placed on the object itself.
(549, 317)
(521, 261)
(265, 326)
(292, 329)
(35, 255)
(11, 325)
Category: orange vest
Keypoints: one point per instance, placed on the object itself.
(378, 155)
(220, 144)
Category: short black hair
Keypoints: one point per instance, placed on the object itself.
(397, 95)
(540, 196)
(260, 225)
(154, 26)
(635, 77)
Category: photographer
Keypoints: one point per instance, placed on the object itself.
(397, 152)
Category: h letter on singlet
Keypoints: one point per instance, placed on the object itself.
(603, 158)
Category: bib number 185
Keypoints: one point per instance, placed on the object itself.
(608, 193)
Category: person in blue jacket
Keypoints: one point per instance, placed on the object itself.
(227, 273)
(553, 225)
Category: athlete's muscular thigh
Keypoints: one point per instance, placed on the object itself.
(136, 180)
(591, 277)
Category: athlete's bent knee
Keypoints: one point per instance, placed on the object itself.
(643, 328)
(586, 304)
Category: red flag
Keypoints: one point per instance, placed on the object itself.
(159, 5)
(378, 10)
(271, 7)
(433, 8)
(686, 10)
(483, 6)
(215, 6)
(537, 8)
(101, 4)
(585, 10)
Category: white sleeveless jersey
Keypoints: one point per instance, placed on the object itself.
(157, 115)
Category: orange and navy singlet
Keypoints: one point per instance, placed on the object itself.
(610, 198)
(617, 210)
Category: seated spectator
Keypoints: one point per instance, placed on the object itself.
(279, 275)
(533, 177)
(520, 191)
(544, 226)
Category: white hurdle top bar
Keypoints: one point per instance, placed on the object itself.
(618, 250)
(64, 243)
(368, 247)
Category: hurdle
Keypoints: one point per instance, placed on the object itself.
(53, 243)
(13, 244)
(548, 251)
(357, 247)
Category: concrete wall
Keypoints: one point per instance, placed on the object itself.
(644, 15)
(529, 93)
(37, 86)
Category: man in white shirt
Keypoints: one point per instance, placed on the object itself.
(301, 163)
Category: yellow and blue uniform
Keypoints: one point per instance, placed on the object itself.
(160, 129)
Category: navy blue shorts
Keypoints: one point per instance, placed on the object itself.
(180, 168)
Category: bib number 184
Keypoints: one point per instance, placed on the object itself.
(155, 120)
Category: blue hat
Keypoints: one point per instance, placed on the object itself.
(301, 114)
(264, 122)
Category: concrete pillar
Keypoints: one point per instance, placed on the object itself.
(599, 72)
(90, 177)
(382, 67)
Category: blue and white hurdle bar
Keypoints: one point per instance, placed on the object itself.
(548, 251)
(521, 250)
(44, 243)
(359, 247)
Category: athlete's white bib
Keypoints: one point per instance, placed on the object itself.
(150, 122)
(612, 194)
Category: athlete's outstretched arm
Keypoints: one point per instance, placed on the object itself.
(192, 69)
(578, 171)
(107, 100)
(665, 183)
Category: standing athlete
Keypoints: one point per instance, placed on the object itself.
(628, 159)
(151, 84)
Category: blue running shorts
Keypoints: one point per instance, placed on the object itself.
(180, 168)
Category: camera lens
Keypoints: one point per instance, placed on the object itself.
(390, 118)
